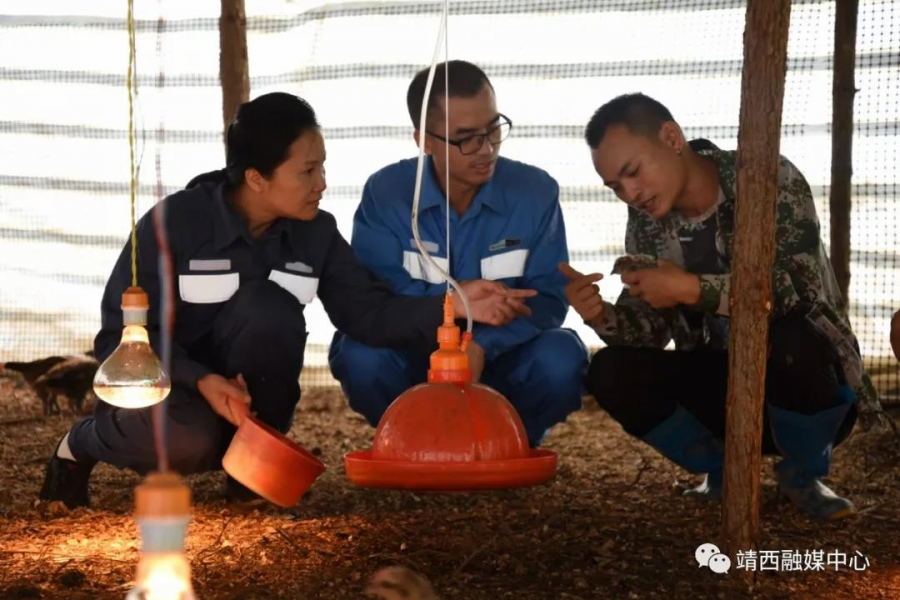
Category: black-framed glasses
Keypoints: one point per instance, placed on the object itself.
(473, 143)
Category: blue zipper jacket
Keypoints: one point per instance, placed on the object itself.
(513, 232)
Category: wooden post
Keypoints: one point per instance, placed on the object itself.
(234, 69)
(843, 92)
(762, 92)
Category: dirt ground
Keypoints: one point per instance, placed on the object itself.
(610, 525)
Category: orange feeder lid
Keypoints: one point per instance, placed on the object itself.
(450, 434)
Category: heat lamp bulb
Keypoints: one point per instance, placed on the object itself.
(162, 576)
(163, 513)
(132, 376)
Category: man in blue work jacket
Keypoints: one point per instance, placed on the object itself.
(505, 225)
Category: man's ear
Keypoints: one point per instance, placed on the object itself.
(417, 136)
(670, 134)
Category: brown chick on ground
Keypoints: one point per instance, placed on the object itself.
(55, 376)
(30, 371)
(400, 583)
(73, 378)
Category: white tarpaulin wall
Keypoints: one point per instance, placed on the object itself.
(63, 123)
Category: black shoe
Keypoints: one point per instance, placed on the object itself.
(66, 481)
(238, 492)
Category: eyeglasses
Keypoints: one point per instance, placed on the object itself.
(473, 143)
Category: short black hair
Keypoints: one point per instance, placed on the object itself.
(466, 80)
(639, 113)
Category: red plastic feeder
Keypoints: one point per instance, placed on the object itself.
(450, 434)
(271, 464)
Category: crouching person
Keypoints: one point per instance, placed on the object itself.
(251, 250)
(681, 205)
(504, 224)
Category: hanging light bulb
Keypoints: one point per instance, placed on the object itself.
(162, 510)
(132, 376)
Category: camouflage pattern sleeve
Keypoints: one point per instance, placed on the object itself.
(631, 321)
(715, 293)
(797, 276)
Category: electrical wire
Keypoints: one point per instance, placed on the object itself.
(132, 178)
(166, 317)
(167, 300)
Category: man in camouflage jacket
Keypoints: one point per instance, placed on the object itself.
(681, 199)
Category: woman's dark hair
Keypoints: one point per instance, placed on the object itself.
(260, 135)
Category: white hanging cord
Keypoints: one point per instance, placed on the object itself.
(447, 128)
(420, 165)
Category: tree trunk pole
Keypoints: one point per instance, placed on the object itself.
(843, 92)
(234, 69)
(762, 93)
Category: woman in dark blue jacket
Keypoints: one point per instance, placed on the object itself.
(250, 249)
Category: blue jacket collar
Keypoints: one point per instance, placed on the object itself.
(489, 194)
(229, 226)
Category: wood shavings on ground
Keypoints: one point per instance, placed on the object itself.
(610, 525)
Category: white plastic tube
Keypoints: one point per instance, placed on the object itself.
(421, 164)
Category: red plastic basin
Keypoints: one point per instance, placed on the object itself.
(270, 464)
